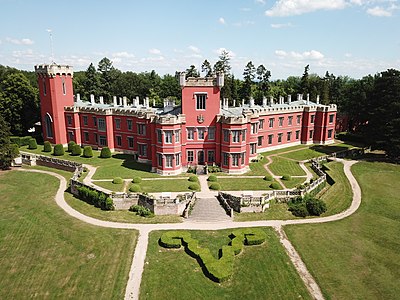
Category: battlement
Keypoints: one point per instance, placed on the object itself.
(54, 69)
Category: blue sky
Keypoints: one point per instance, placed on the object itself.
(344, 37)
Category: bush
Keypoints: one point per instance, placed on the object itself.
(96, 198)
(275, 186)
(193, 178)
(47, 146)
(32, 144)
(87, 152)
(136, 179)
(215, 186)
(298, 210)
(76, 150)
(135, 188)
(194, 187)
(286, 177)
(213, 169)
(268, 178)
(212, 178)
(141, 211)
(25, 140)
(15, 140)
(58, 150)
(70, 146)
(105, 152)
(117, 180)
(14, 150)
(315, 207)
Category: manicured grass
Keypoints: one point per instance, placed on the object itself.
(244, 184)
(295, 181)
(303, 154)
(297, 147)
(281, 166)
(118, 187)
(358, 257)
(257, 168)
(276, 211)
(44, 253)
(260, 272)
(166, 185)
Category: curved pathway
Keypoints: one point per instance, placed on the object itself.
(135, 274)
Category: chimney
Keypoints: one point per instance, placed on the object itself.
(281, 100)
(317, 99)
(220, 79)
(154, 102)
(92, 99)
(289, 99)
(147, 103)
(271, 100)
(182, 79)
(136, 101)
(264, 101)
(168, 105)
(125, 102)
(234, 103)
(115, 101)
(308, 99)
(242, 102)
(299, 97)
(101, 100)
(251, 102)
(78, 98)
(225, 103)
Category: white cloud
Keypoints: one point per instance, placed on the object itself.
(262, 2)
(378, 11)
(307, 55)
(221, 20)
(20, 41)
(284, 8)
(194, 49)
(230, 53)
(155, 51)
(123, 54)
(281, 25)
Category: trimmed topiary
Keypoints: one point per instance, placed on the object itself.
(70, 146)
(193, 178)
(105, 152)
(25, 140)
(215, 186)
(117, 180)
(87, 152)
(212, 178)
(58, 150)
(136, 179)
(135, 188)
(268, 178)
(76, 150)
(275, 186)
(46, 146)
(194, 187)
(286, 177)
(32, 144)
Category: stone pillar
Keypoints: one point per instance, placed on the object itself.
(115, 102)
(92, 99)
(101, 100)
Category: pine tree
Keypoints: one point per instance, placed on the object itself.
(206, 68)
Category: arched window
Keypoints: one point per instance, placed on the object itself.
(49, 127)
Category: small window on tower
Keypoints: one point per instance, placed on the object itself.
(201, 101)
(44, 87)
(63, 87)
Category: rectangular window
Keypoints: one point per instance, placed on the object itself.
(235, 136)
(86, 136)
(95, 139)
(289, 136)
(226, 159)
(330, 132)
(244, 135)
(44, 87)
(298, 119)
(142, 149)
(297, 134)
(261, 124)
(290, 120)
(260, 140)
(235, 159)
(168, 136)
(119, 140)
(177, 159)
(102, 124)
(271, 122)
(117, 123)
(159, 159)
(210, 156)
(254, 128)
(280, 137)
(64, 90)
(190, 157)
(281, 121)
(200, 133)
(253, 148)
(226, 135)
(177, 136)
(243, 155)
(270, 138)
(159, 136)
(94, 121)
(168, 160)
(70, 135)
(130, 142)
(311, 134)
(201, 101)
(103, 140)
(211, 133)
(190, 133)
(312, 119)
(69, 120)
(129, 124)
(141, 129)
(85, 120)
(331, 117)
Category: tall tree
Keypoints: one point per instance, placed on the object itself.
(223, 64)
(263, 76)
(249, 74)
(305, 81)
(206, 68)
(108, 76)
(192, 72)
(6, 152)
(91, 82)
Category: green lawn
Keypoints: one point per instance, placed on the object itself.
(295, 181)
(118, 187)
(316, 151)
(244, 184)
(46, 254)
(281, 166)
(276, 211)
(167, 185)
(260, 272)
(358, 257)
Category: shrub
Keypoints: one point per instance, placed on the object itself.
(193, 178)
(275, 186)
(96, 198)
(76, 150)
(58, 150)
(141, 211)
(14, 150)
(286, 177)
(25, 140)
(315, 207)
(47, 146)
(213, 169)
(215, 186)
(32, 144)
(135, 188)
(117, 180)
(15, 140)
(105, 152)
(70, 145)
(136, 179)
(87, 152)
(194, 187)
(268, 178)
(212, 178)
(298, 210)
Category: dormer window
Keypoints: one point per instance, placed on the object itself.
(201, 101)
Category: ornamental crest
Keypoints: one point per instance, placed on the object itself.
(200, 119)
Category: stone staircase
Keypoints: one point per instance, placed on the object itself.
(208, 210)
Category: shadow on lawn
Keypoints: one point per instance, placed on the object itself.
(130, 162)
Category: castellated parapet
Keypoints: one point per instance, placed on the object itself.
(53, 70)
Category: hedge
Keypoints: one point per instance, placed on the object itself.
(76, 150)
(135, 188)
(14, 150)
(117, 180)
(70, 146)
(20, 140)
(220, 269)
(193, 178)
(87, 152)
(136, 179)
(194, 187)
(286, 177)
(47, 146)
(96, 198)
(32, 144)
(212, 178)
(268, 178)
(275, 186)
(105, 152)
(58, 150)
(215, 186)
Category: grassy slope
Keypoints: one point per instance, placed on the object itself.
(46, 254)
(244, 184)
(281, 166)
(358, 257)
(260, 272)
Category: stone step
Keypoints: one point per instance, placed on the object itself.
(208, 210)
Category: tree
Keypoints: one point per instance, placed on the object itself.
(248, 77)
(206, 68)
(223, 64)
(305, 83)
(108, 76)
(263, 76)
(91, 82)
(192, 72)
(7, 154)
